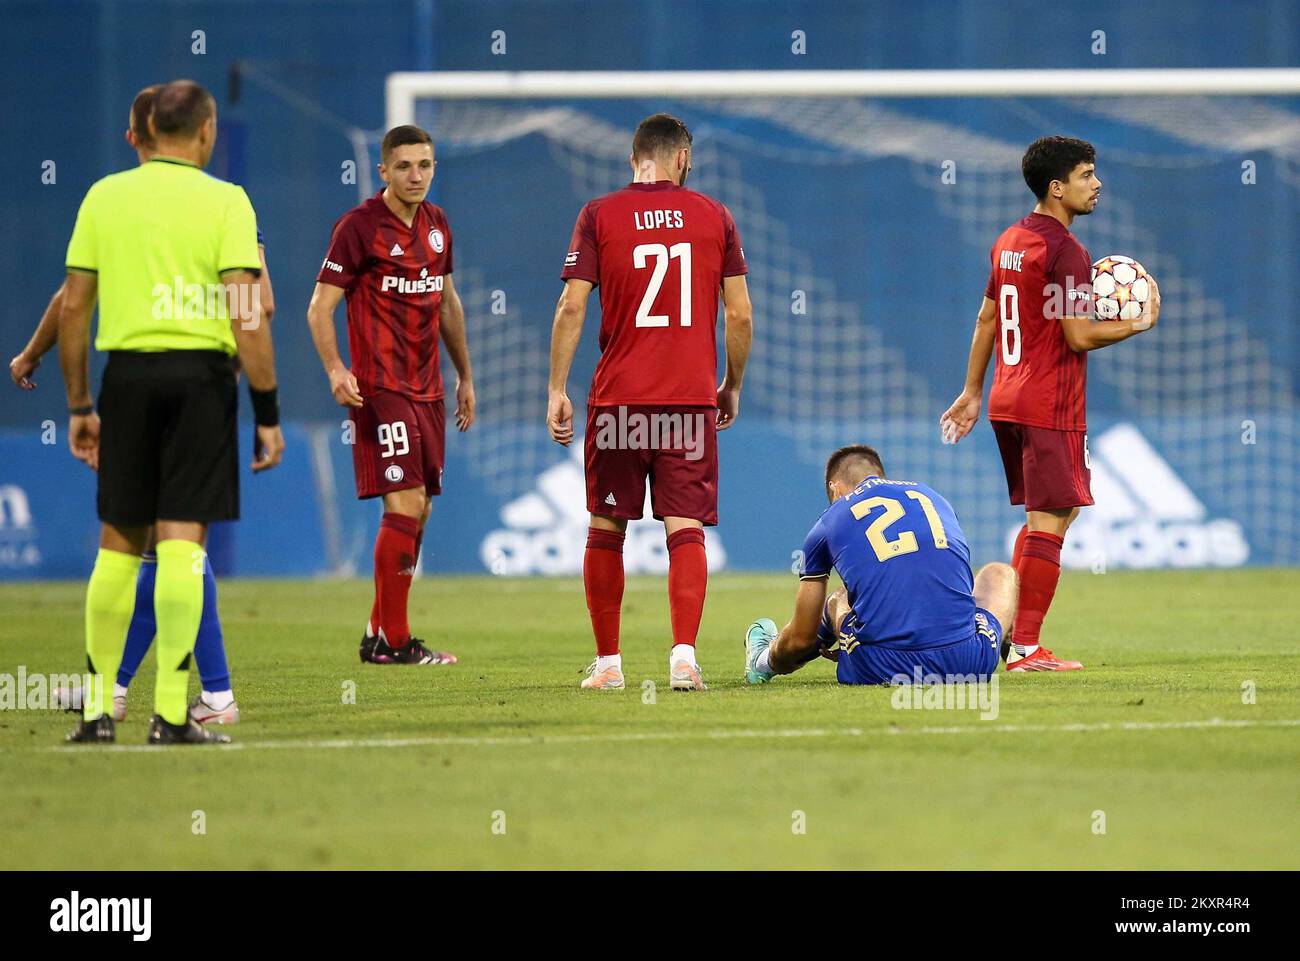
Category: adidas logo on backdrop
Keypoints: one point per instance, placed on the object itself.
(545, 531)
(1145, 516)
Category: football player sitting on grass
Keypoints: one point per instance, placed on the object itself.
(909, 606)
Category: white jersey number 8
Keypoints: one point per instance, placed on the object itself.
(1009, 309)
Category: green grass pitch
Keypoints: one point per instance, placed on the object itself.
(429, 765)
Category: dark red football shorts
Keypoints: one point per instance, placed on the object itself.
(1046, 469)
(675, 447)
(397, 444)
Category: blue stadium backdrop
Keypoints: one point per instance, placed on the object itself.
(866, 224)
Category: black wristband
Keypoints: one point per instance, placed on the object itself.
(266, 406)
(81, 411)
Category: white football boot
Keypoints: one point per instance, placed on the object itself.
(685, 676)
(72, 698)
(205, 713)
(610, 679)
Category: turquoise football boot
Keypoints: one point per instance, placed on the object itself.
(757, 639)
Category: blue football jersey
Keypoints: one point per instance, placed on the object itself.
(902, 555)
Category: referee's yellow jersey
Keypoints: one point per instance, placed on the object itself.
(159, 237)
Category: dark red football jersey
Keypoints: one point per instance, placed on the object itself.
(1040, 274)
(658, 252)
(393, 275)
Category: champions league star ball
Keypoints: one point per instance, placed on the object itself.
(1120, 288)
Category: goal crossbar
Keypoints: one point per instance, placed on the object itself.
(402, 89)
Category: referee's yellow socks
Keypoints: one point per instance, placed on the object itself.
(110, 601)
(178, 607)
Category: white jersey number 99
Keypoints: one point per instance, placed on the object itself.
(393, 438)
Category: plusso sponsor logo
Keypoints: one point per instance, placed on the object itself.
(1145, 516)
(424, 284)
(41, 692)
(544, 531)
(75, 914)
(621, 429)
(946, 692)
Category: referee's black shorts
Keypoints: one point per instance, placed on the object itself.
(167, 441)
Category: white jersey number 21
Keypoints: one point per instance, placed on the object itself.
(661, 254)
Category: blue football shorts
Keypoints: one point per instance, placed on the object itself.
(864, 663)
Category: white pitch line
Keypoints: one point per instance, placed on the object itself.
(723, 735)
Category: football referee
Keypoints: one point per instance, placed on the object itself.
(171, 255)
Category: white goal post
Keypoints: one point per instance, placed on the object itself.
(403, 89)
(840, 181)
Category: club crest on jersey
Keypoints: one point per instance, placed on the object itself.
(436, 240)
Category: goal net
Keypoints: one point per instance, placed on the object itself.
(867, 214)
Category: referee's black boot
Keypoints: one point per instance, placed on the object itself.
(98, 731)
(191, 732)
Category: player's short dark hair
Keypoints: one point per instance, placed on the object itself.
(659, 134)
(403, 136)
(1053, 158)
(180, 108)
(854, 457)
(141, 110)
